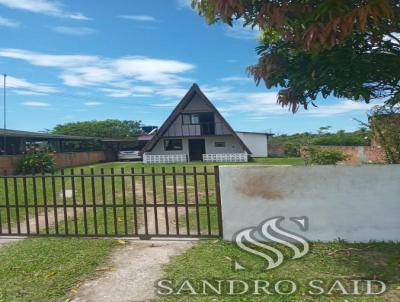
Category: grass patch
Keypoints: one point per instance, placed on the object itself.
(211, 260)
(42, 269)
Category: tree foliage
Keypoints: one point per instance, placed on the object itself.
(108, 128)
(345, 48)
(317, 156)
(360, 137)
(35, 160)
(385, 126)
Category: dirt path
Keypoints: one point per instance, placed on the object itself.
(134, 268)
(132, 272)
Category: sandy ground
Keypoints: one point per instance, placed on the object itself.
(132, 273)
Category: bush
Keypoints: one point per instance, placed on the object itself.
(317, 156)
(292, 149)
(37, 162)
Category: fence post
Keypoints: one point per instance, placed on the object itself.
(218, 199)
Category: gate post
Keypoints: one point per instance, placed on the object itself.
(218, 200)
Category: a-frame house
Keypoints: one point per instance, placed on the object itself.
(195, 130)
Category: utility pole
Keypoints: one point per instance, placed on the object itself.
(5, 116)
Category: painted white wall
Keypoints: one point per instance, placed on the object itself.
(355, 203)
(256, 142)
(231, 146)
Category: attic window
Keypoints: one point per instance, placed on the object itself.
(191, 118)
(172, 144)
(195, 119)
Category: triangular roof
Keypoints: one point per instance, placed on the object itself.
(195, 89)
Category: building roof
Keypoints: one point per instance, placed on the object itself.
(255, 132)
(50, 136)
(40, 135)
(195, 89)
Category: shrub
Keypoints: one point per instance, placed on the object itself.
(37, 162)
(385, 123)
(317, 156)
(292, 149)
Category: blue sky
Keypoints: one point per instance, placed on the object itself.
(83, 60)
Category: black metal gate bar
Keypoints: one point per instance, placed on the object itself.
(70, 204)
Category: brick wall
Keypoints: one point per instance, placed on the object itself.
(276, 150)
(62, 160)
(360, 154)
(72, 159)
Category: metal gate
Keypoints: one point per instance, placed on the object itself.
(144, 203)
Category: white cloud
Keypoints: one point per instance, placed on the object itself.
(141, 18)
(184, 4)
(169, 104)
(24, 87)
(36, 104)
(8, 22)
(48, 60)
(152, 70)
(117, 93)
(343, 106)
(75, 31)
(47, 7)
(235, 79)
(237, 31)
(262, 104)
(84, 70)
(92, 103)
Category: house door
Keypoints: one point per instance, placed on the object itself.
(197, 147)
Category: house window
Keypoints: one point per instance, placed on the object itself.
(172, 144)
(219, 144)
(195, 119)
(185, 119)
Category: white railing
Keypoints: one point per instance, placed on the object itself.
(164, 159)
(226, 157)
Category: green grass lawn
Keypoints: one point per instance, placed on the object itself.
(45, 269)
(211, 260)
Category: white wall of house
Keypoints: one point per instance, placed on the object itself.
(256, 142)
(231, 146)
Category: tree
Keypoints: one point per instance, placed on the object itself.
(345, 48)
(108, 128)
(324, 129)
(385, 124)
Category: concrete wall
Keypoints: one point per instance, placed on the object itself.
(256, 142)
(62, 160)
(359, 203)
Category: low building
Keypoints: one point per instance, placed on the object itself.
(257, 142)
